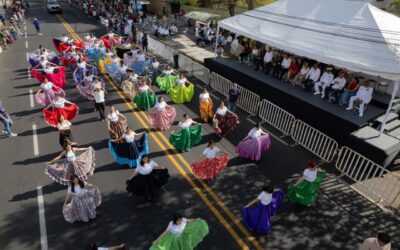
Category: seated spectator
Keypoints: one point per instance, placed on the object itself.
(293, 70)
(299, 78)
(258, 61)
(267, 60)
(284, 67)
(336, 87)
(324, 82)
(245, 53)
(349, 91)
(276, 63)
(254, 55)
(220, 51)
(312, 77)
(362, 98)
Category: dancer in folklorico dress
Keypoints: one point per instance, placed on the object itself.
(147, 178)
(47, 93)
(256, 142)
(206, 105)
(153, 71)
(258, 218)
(65, 138)
(224, 120)
(305, 189)
(162, 115)
(80, 203)
(54, 74)
(182, 93)
(189, 135)
(67, 163)
(128, 150)
(181, 234)
(58, 108)
(146, 98)
(116, 123)
(167, 79)
(93, 246)
(212, 162)
(129, 86)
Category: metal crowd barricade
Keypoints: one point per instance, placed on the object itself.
(220, 84)
(200, 72)
(371, 180)
(185, 63)
(314, 140)
(276, 116)
(248, 100)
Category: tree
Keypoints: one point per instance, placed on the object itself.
(250, 4)
(231, 7)
(394, 7)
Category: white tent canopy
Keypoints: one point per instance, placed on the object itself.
(349, 34)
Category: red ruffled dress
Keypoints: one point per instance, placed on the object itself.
(209, 167)
(52, 115)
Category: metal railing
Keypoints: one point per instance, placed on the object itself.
(276, 116)
(161, 49)
(248, 100)
(194, 68)
(371, 179)
(314, 140)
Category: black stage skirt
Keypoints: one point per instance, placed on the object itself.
(147, 185)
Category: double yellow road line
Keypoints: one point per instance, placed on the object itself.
(197, 184)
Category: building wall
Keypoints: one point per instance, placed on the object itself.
(156, 6)
(382, 4)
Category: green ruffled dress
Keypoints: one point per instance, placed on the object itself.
(185, 139)
(305, 192)
(166, 82)
(145, 100)
(182, 94)
(193, 234)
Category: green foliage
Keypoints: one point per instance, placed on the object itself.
(191, 2)
(394, 7)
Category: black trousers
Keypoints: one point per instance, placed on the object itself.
(100, 106)
(308, 84)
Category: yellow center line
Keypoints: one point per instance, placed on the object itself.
(220, 203)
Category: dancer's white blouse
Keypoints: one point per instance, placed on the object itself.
(185, 124)
(160, 106)
(59, 103)
(265, 198)
(177, 229)
(70, 156)
(310, 175)
(147, 168)
(46, 86)
(222, 111)
(113, 116)
(211, 153)
(204, 97)
(255, 133)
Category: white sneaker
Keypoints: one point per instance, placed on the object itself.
(360, 115)
(316, 93)
(5, 132)
(322, 96)
(348, 108)
(13, 134)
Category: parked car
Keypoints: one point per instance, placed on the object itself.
(53, 6)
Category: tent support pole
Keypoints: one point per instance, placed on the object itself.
(395, 88)
(216, 42)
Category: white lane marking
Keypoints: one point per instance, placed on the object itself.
(27, 56)
(29, 73)
(35, 140)
(42, 219)
(31, 98)
(26, 44)
(26, 35)
(25, 27)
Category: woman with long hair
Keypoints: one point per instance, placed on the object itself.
(128, 150)
(64, 127)
(68, 162)
(182, 93)
(304, 191)
(181, 234)
(116, 123)
(146, 98)
(162, 115)
(258, 218)
(59, 108)
(80, 203)
(206, 105)
(129, 86)
(188, 136)
(224, 120)
(47, 92)
(254, 144)
(147, 178)
(212, 162)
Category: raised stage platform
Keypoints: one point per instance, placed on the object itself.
(329, 118)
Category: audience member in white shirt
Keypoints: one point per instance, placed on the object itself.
(324, 82)
(285, 64)
(267, 60)
(362, 98)
(312, 77)
(99, 101)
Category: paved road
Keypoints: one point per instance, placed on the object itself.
(340, 219)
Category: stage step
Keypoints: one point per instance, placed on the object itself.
(391, 117)
(392, 125)
(395, 133)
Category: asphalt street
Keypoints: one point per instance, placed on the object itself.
(341, 218)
